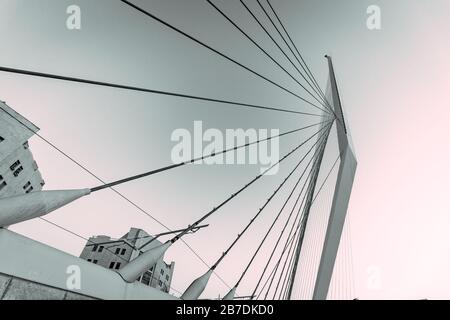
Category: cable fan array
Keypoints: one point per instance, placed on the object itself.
(285, 252)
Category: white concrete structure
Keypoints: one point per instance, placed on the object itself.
(35, 204)
(230, 295)
(53, 271)
(341, 198)
(338, 211)
(197, 287)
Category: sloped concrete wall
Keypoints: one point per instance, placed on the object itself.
(12, 288)
(41, 265)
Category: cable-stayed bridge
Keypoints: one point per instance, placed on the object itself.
(311, 256)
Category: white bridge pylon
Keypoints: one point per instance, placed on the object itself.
(341, 197)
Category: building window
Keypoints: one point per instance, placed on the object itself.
(1, 139)
(89, 260)
(2, 183)
(26, 185)
(167, 277)
(123, 251)
(94, 248)
(29, 190)
(117, 251)
(111, 265)
(95, 261)
(15, 165)
(146, 278)
(160, 283)
(101, 248)
(117, 265)
(18, 171)
(151, 269)
(162, 271)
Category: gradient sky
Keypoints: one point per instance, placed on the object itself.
(393, 83)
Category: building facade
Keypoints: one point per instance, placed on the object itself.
(30, 270)
(116, 253)
(19, 172)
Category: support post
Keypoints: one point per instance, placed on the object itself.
(342, 192)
